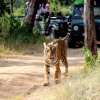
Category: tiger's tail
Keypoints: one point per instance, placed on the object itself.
(65, 38)
(69, 30)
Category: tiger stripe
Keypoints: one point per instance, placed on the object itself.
(53, 53)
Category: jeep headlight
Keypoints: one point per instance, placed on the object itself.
(76, 28)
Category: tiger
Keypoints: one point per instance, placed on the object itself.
(54, 52)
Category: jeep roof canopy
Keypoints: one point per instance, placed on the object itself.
(79, 2)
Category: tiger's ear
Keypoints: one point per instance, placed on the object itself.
(44, 45)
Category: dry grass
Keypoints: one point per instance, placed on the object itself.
(79, 87)
(17, 47)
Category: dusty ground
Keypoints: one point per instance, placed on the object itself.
(21, 75)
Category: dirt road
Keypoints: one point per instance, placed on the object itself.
(24, 73)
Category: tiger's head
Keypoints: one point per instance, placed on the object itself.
(50, 51)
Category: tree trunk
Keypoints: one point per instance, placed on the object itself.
(90, 32)
(30, 18)
(11, 6)
(3, 8)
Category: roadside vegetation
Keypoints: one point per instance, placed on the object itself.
(57, 6)
(81, 86)
(14, 38)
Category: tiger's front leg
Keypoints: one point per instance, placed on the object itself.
(46, 75)
(57, 73)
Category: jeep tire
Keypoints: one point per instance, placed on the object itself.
(71, 43)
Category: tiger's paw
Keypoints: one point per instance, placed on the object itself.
(46, 84)
(57, 81)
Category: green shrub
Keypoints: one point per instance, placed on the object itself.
(17, 37)
(90, 61)
(5, 23)
(19, 8)
(57, 6)
(15, 24)
(19, 11)
(20, 41)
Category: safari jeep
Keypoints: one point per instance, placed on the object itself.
(57, 27)
(77, 25)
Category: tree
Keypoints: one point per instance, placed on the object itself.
(12, 2)
(90, 32)
(3, 8)
(11, 6)
(30, 17)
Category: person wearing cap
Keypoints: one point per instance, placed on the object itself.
(27, 8)
(48, 11)
(48, 8)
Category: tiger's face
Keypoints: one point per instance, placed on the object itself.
(50, 51)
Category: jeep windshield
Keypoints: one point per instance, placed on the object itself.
(97, 12)
(78, 12)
